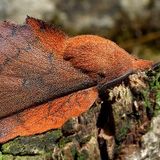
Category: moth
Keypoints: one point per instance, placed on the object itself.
(47, 77)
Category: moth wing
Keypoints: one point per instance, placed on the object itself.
(51, 37)
(51, 115)
(30, 74)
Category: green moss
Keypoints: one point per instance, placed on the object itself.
(74, 152)
(32, 145)
(63, 141)
(123, 131)
(146, 95)
(35, 157)
(78, 155)
(156, 89)
(83, 155)
(0, 155)
(84, 140)
(8, 157)
(152, 94)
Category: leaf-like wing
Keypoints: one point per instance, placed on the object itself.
(30, 74)
(51, 37)
(48, 116)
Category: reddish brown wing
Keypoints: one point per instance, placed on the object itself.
(30, 74)
(51, 38)
(48, 116)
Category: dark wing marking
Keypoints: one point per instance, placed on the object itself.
(30, 74)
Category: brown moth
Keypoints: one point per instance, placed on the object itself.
(47, 77)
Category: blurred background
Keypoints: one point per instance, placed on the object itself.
(133, 24)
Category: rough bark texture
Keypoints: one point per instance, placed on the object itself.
(118, 127)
